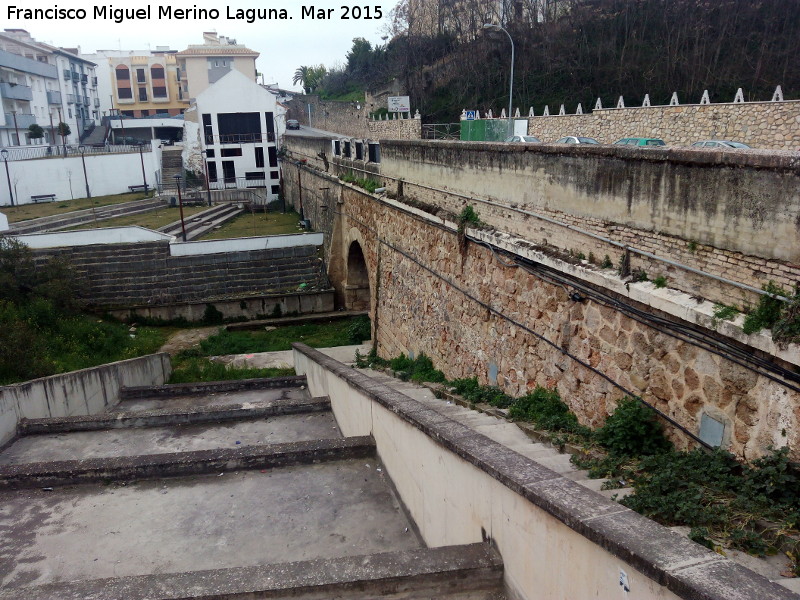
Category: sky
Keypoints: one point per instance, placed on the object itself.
(284, 45)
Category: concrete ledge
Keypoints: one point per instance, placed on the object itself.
(667, 558)
(469, 572)
(312, 318)
(161, 417)
(212, 387)
(175, 464)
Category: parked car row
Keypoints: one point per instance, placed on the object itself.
(631, 141)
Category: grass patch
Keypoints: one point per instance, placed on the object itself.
(368, 184)
(34, 211)
(256, 224)
(193, 369)
(317, 335)
(153, 219)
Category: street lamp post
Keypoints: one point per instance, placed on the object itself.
(205, 172)
(4, 152)
(496, 27)
(144, 174)
(82, 149)
(180, 205)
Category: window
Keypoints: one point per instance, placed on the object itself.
(275, 189)
(145, 113)
(228, 152)
(374, 152)
(270, 127)
(212, 170)
(228, 171)
(346, 151)
(273, 156)
(337, 148)
(208, 130)
(259, 157)
(157, 72)
(254, 176)
(127, 113)
(140, 76)
(210, 153)
(69, 110)
(159, 92)
(359, 151)
(122, 73)
(142, 94)
(274, 175)
(239, 127)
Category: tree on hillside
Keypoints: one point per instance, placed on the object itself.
(309, 77)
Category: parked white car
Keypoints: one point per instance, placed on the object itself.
(575, 139)
(719, 144)
(523, 138)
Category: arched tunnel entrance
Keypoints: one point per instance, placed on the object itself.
(356, 286)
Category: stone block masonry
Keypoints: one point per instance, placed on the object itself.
(771, 125)
(427, 295)
(122, 275)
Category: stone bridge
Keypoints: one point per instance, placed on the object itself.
(527, 297)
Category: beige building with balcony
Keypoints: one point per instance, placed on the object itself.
(202, 65)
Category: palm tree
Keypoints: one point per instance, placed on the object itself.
(309, 77)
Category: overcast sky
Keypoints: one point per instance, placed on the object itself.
(283, 45)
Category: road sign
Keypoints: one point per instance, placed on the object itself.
(470, 115)
(399, 104)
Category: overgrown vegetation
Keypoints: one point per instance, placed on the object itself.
(368, 184)
(754, 508)
(339, 332)
(188, 367)
(43, 332)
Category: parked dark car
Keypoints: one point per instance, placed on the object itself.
(292, 124)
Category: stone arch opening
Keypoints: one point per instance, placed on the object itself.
(356, 286)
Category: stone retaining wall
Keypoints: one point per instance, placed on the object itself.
(770, 125)
(123, 275)
(415, 311)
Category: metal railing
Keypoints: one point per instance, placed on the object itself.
(242, 183)
(240, 138)
(53, 151)
(441, 131)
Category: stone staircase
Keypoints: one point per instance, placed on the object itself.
(171, 165)
(203, 222)
(95, 137)
(81, 217)
(216, 491)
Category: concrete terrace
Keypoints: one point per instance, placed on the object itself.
(215, 491)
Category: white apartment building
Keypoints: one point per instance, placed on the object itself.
(240, 126)
(44, 85)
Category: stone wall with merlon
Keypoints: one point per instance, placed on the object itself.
(769, 125)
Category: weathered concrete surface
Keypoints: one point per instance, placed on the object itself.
(178, 464)
(452, 573)
(285, 358)
(243, 519)
(557, 539)
(182, 389)
(469, 572)
(193, 401)
(209, 413)
(179, 438)
(84, 392)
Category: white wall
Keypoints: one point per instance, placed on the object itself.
(107, 174)
(249, 243)
(85, 392)
(3, 222)
(89, 237)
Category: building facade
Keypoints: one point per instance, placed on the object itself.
(44, 85)
(239, 125)
(139, 83)
(200, 66)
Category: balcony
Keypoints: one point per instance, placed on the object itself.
(27, 65)
(76, 76)
(53, 97)
(16, 91)
(67, 74)
(94, 81)
(86, 100)
(23, 121)
(97, 102)
(72, 98)
(84, 79)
